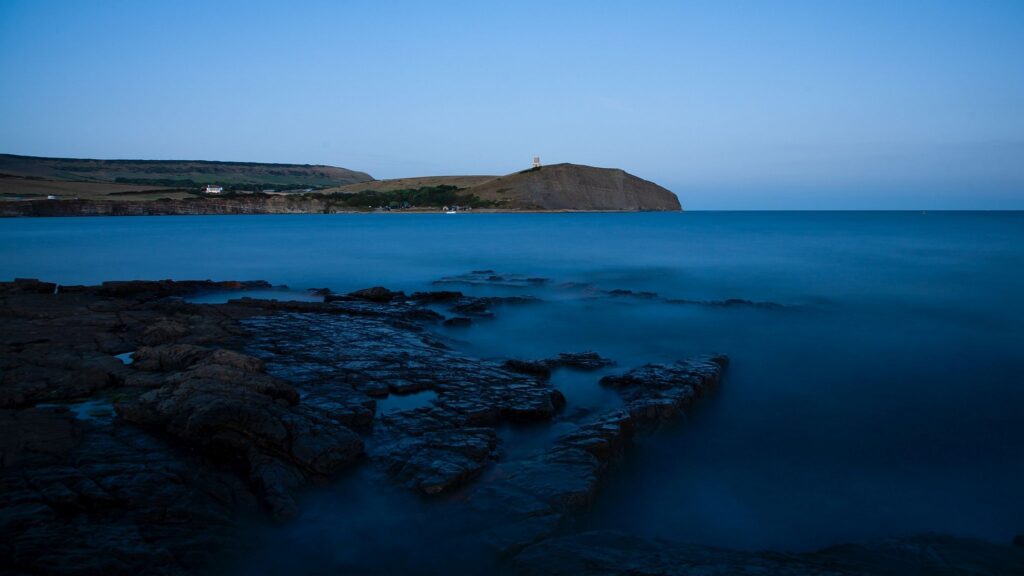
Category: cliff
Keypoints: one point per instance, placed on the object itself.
(256, 204)
(575, 187)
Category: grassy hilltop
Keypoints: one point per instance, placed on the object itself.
(88, 178)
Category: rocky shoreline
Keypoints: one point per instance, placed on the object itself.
(139, 432)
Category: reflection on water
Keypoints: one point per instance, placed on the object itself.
(92, 409)
(883, 397)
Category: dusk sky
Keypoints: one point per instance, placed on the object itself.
(732, 105)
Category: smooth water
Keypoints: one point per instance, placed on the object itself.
(884, 397)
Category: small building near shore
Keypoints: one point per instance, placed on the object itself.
(211, 189)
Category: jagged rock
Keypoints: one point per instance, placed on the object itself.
(430, 455)
(482, 306)
(343, 360)
(377, 294)
(436, 296)
(539, 369)
(658, 392)
(533, 496)
(226, 407)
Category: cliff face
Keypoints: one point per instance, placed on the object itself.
(576, 187)
(249, 205)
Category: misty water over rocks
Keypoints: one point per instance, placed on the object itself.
(874, 388)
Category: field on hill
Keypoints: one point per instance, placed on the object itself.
(32, 189)
(412, 183)
(181, 173)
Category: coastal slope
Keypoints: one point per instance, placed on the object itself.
(178, 173)
(412, 183)
(36, 186)
(576, 187)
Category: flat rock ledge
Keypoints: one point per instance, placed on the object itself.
(531, 498)
(140, 433)
(223, 403)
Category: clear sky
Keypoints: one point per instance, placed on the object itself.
(732, 105)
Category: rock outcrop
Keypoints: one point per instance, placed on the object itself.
(141, 433)
(532, 497)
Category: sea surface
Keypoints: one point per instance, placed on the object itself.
(877, 379)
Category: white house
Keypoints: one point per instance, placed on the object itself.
(211, 189)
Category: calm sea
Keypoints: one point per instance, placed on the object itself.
(883, 396)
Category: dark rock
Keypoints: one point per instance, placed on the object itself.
(476, 307)
(150, 289)
(482, 306)
(435, 296)
(1018, 540)
(656, 393)
(377, 294)
(532, 497)
(539, 369)
(225, 406)
(34, 285)
(579, 361)
(343, 360)
(79, 499)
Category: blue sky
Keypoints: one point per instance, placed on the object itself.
(732, 105)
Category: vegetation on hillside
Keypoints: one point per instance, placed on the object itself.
(425, 196)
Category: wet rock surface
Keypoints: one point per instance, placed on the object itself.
(343, 362)
(228, 412)
(533, 497)
(223, 403)
(78, 498)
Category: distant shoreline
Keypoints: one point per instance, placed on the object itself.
(216, 207)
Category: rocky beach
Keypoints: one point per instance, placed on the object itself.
(142, 433)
